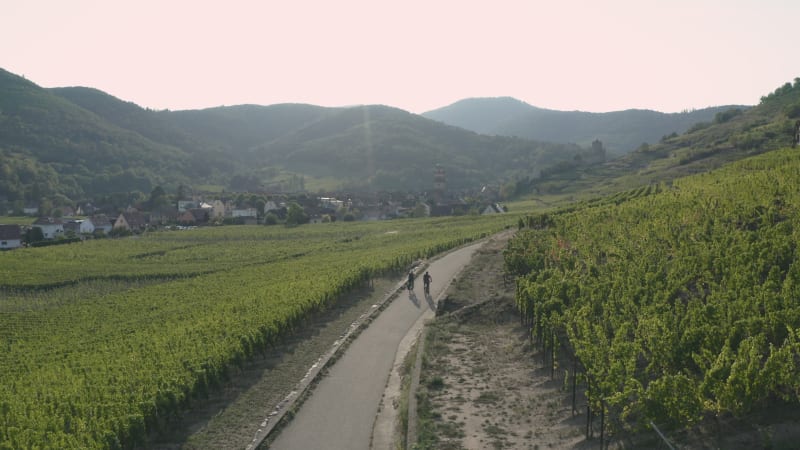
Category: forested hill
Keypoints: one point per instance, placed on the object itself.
(731, 135)
(52, 147)
(363, 147)
(620, 131)
(70, 144)
(388, 148)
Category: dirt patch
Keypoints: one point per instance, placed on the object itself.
(485, 385)
(482, 385)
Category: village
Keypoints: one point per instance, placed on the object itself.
(86, 221)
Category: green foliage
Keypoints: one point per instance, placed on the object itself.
(270, 219)
(295, 215)
(81, 142)
(42, 132)
(792, 111)
(678, 301)
(705, 146)
(105, 342)
(697, 127)
(34, 234)
(724, 116)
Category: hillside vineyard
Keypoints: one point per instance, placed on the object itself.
(677, 301)
(104, 342)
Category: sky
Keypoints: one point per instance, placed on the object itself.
(417, 55)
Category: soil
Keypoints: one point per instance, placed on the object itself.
(482, 383)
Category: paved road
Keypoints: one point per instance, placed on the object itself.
(340, 413)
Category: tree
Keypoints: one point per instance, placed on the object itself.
(240, 201)
(34, 234)
(420, 211)
(295, 215)
(260, 205)
(158, 198)
(270, 219)
(181, 194)
(45, 207)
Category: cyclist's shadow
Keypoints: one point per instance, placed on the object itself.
(429, 299)
(413, 297)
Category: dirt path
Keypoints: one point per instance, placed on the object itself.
(481, 383)
(340, 412)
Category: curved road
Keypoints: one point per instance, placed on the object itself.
(340, 412)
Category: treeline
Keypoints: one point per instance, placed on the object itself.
(677, 302)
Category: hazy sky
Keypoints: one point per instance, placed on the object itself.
(592, 55)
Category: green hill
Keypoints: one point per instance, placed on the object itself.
(51, 146)
(69, 144)
(378, 147)
(366, 147)
(481, 115)
(620, 131)
(731, 135)
(79, 143)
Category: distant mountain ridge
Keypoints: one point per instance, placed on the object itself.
(67, 144)
(78, 143)
(731, 135)
(620, 131)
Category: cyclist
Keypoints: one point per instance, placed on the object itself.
(426, 279)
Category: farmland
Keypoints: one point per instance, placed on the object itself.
(677, 302)
(104, 342)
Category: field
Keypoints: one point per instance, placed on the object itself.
(107, 341)
(676, 303)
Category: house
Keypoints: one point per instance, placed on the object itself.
(493, 208)
(67, 211)
(186, 218)
(218, 209)
(163, 215)
(30, 210)
(330, 203)
(51, 228)
(184, 205)
(455, 208)
(270, 206)
(10, 237)
(79, 226)
(244, 212)
(101, 224)
(86, 209)
(201, 215)
(130, 221)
